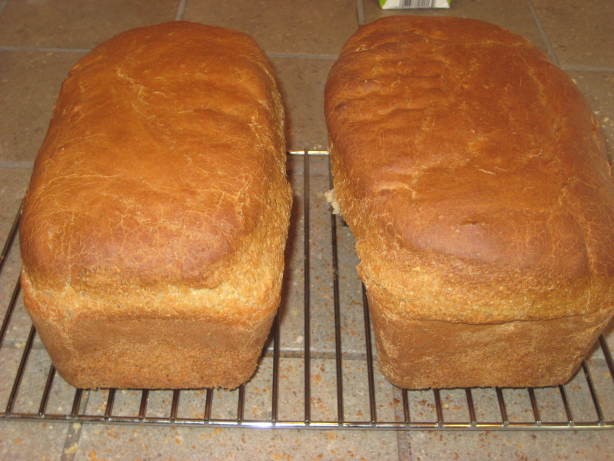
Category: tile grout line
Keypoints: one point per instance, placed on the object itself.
(404, 452)
(44, 49)
(583, 68)
(180, 10)
(73, 437)
(360, 12)
(404, 445)
(321, 56)
(15, 165)
(72, 440)
(542, 33)
(328, 57)
(16, 344)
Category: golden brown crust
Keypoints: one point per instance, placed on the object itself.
(474, 178)
(160, 194)
(162, 138)
(464, 159)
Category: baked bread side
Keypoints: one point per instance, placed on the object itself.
(155, 223)
(474, 178)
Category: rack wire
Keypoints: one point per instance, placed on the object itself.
(299, 384)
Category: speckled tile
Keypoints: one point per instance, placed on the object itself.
(20, 322)
(486, 405)
(9, 361)
(598, 88)
(300, 26)
(26, 441)
(97, 401)
(604, 387)
(14, 182)
(29, 84)
(170, 443)
(581, 33)
(225, 404)
(159, 403)
(302, 84)
(422, 406)
(596, 356)
(258, 396)
(13, 185)
(550, 404)
(30, 391)
(321, 295)
(503, 446)
(292, 301)
(514, 16)
(454, 406)
(609, 338)
(61, 397)
(518, 405)
(323, 383)
(321, 268)
(353, 320)
(126, 402)
(355, 392)
(192, 404)
(579, 397)
(82, 24)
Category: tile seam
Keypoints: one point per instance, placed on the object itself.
(43, 49)
(17, 345)
(404, 446)
(403, 437)
(315, 56)
(15, 165)
(360, 12)
(73, 436)
(272, 54)
(583, 68)
(180, 10)
(542, 33)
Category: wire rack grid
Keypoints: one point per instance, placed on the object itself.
(318, 369)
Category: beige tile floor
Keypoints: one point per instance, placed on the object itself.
(41, 39)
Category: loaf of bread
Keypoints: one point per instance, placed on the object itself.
(474, 178)
(154, 227)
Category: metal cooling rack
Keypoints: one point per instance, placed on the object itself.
(33, 391)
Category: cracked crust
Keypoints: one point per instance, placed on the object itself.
(473, 175)
(159, 193)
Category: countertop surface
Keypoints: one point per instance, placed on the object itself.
(41, 39)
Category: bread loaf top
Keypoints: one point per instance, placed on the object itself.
(471, 172)
(165, 152)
